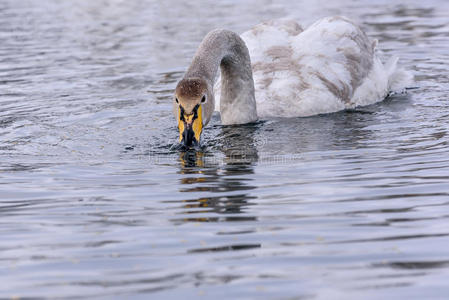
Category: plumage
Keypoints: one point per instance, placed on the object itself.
(330, 66)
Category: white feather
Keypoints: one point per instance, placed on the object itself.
(330, 66)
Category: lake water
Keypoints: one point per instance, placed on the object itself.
(93, 204)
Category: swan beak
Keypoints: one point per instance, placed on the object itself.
(190, 126)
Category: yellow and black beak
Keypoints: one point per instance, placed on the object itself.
(190, 126)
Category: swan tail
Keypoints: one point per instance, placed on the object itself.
(398, 78)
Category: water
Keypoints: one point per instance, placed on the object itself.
(95, 205)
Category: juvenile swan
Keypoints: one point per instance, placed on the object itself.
(330, 66)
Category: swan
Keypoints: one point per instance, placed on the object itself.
(277, 69)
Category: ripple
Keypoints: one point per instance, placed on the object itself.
(96, 202)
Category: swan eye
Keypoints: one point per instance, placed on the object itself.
(203, 99)
(176, 99)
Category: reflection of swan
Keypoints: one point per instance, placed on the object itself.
(220, 187)
(330, 66)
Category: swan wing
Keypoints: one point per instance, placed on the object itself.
(330, 66)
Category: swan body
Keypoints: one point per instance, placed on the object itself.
(330, 66)
(277, 69)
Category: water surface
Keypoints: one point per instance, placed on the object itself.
(95, 205)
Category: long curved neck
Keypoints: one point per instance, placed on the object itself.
(225, 49)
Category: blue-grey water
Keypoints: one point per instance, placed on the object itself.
(93, 204)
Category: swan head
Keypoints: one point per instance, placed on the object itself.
(193, 107)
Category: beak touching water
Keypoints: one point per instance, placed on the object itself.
(190, 126)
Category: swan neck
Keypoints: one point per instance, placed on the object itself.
(226, 50)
